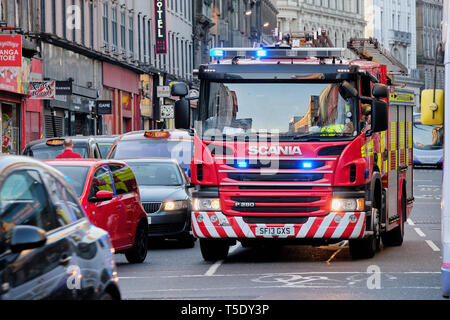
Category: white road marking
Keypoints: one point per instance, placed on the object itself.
(212, 270)
(410, 222)
(432, 245)
(420, 233)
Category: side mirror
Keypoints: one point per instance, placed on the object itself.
(104, 195)
(182, 114)
(26, 237)
(379, 116)
(380, 91)
(432, 113)
(179, 89)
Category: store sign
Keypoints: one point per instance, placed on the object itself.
(167, 111)
(104, 107)
(10, 50)
(41, 90)
(163, 91)
(160, 27)
(63, 88)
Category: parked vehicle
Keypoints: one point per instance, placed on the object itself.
(166, 198)
(170, 144)
(105, 144)
(48, 247)
(49, 148)
(428, 143)
(109, 193)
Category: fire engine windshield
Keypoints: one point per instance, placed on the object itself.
(288, 110)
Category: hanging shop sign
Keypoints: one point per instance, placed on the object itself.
(63, 88)
(160, 27)
(41, 90)
(104, 107)
(10, 50)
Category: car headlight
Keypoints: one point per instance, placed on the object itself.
(206, 204)
(347, 204)
(174, 205)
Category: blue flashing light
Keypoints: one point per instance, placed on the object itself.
(216, 53)
(307, 164)
(242, 164)
(261, 53)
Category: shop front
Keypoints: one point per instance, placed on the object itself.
(147, 101)
(21, 118)
(121, 86)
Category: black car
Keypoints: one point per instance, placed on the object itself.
(166, 197)
(48, 248)
(105, 143)
(49, 148)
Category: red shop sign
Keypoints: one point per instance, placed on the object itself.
(10, 50)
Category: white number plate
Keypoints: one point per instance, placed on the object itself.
(274, 231)
(149, 219)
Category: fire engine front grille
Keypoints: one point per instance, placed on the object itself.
(276, 164)
(263, 209)
(151, 207)
(283, 220)
(283, 199)
(279, 177)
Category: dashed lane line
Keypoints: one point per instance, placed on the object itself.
(432, 245)
(419, 232)
(212, 270)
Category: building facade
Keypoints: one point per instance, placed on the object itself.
(429, 35)
(393, 24)
(21, 118)
(342, 19)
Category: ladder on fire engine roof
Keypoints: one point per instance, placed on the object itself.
(315, 39)
(371, 49)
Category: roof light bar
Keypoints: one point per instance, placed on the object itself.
(277, 53)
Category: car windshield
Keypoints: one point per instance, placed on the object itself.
(75, 175)
(156, 173)
(104, 148)
(176, 149)
(290, 110)
(50, 152)
(428, 137)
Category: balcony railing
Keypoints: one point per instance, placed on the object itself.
(401, 37)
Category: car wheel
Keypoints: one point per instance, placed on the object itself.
(105, 296)
(138, 252)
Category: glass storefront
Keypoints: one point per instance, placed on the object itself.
(10, 128)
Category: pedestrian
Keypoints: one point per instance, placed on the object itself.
(68, 153)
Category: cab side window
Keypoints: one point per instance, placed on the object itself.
(24, 201)
(101, 181)
(124, 179)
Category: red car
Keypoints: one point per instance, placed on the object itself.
(109, 194)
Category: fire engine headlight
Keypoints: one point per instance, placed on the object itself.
(206, 204)
(347, 204)
(174, 205)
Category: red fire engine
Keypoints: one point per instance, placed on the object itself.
(298, 145)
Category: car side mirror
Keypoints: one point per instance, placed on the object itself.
(104, 195)
(26, 237)
(179, 89)
(380, 91)
(182, 114)
(379, 116)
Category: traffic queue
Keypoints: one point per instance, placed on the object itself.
(70, 203)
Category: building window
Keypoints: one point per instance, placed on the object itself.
(114, 27)
(63, 8)
(130, 34)
(91, 24)
(149, 42)
(144, 39)
(105, 24)
(139, 38)
(357, 7)
(82, 23)
(122, 31)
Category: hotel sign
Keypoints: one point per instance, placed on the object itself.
(160, 27)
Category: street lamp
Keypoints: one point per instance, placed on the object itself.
(248, 12)
(266, 24)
